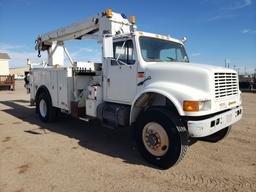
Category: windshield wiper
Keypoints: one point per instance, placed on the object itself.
(152, 59)
(171, 58)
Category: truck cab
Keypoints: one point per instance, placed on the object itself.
(145, 82)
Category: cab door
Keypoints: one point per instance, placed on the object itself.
(120, 85)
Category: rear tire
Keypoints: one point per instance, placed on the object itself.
(46, 111)
(161, 137)
(214, 138)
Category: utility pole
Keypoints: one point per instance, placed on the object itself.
(227, 62)
(236, 68)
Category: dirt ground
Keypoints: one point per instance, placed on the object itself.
(73, 156)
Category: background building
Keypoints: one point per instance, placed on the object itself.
(4, 64)
(18, 70)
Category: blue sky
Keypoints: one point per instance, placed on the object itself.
(216, 29)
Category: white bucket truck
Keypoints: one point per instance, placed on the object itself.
(144, 82)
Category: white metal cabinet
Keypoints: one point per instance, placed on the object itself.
(53, 87)
(63, 89)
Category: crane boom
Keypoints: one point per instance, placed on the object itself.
(103, 23)
(73, 31)
(99, 27)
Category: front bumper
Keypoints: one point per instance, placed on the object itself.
(214, 124)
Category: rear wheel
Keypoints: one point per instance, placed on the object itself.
(46, 111)
(161, 137)
(214, 138)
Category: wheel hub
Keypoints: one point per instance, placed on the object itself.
(155, 139)
(43, 108)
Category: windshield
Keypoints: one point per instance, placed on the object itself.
(159, 50)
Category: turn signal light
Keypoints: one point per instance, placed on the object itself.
(191, 106)
(132, 19)
(140, 74)
(109, 13)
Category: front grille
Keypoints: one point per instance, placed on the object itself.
(226, 84)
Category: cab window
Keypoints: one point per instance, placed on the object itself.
(124, 51)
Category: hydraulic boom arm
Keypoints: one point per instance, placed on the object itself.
(105, 23)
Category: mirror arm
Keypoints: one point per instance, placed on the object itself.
(122, 63)
(121, 49)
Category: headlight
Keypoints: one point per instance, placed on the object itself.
(194, 106)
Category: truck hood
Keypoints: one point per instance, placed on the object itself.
(197, 76)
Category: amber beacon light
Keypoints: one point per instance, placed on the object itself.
(109, 13)
(132, 19)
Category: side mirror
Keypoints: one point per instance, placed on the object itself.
(107, 47)
(114, 62)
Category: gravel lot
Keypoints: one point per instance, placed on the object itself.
(73, 156)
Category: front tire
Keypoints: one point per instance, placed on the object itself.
(161, 137)
(46, 111)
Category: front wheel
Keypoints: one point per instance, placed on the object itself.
(161, 137)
